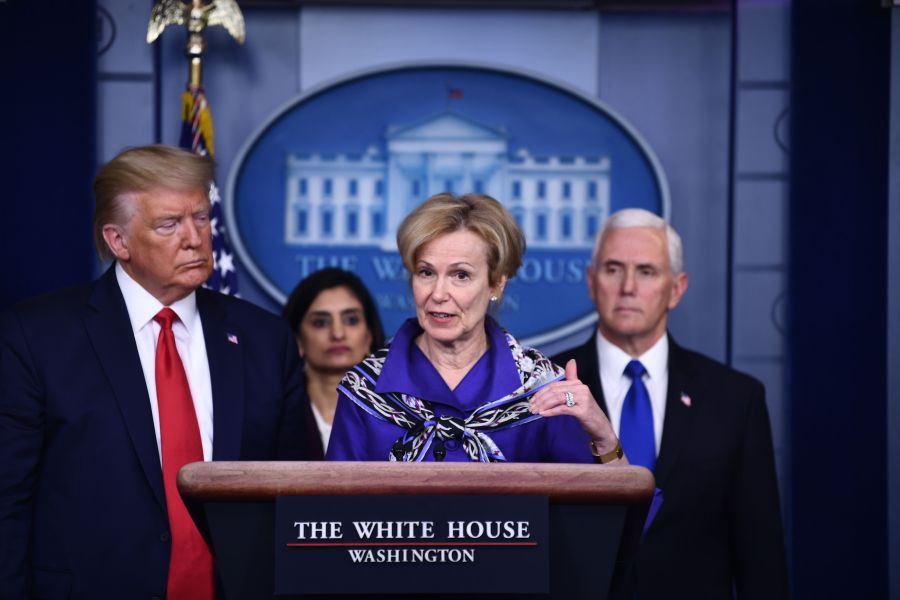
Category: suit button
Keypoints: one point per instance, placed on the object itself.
(452, 445)
(164, 537)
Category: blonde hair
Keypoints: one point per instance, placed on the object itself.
(482, 215)
(630, 218)
(142, 169)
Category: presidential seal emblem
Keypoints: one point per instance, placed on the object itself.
(327, 180)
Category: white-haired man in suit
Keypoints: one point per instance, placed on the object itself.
(700, 426)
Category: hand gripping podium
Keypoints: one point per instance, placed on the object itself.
(595, 515)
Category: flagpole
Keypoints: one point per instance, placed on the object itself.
(196, 118)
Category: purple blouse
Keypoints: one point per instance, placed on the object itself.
(357, 435)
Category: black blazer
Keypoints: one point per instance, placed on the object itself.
(718, 531)
(82, 507)
(314, 448)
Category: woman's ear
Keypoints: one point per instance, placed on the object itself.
(497, 289)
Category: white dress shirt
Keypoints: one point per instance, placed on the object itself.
(616, 383)
(189, 341)
(323, 425)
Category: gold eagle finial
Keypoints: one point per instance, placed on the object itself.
(197, 16)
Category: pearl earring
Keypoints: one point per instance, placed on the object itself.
(493, 298)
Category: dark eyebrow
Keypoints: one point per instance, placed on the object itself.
(325, 313)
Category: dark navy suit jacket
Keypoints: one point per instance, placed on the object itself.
(719, 528)
(82, 506)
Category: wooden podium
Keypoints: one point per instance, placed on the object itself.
(596, 513)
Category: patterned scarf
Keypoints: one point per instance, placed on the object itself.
(424, 430)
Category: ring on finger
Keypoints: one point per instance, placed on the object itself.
(570, 399)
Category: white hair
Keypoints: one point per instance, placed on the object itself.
(629, 218)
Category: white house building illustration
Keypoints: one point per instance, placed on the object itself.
(559, 201)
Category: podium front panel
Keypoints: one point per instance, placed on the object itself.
(584, 544)
(596, 514)
(411, 544)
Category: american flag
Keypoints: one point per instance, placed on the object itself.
(197, 136)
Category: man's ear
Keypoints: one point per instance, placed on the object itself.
(679, 287)
(115, 238)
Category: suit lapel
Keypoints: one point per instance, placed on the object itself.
(589, 370)
(226, 371)
(109, 329)
(679, 414)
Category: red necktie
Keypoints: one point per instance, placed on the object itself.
(190, 564)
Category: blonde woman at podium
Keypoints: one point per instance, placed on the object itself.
(453, 384)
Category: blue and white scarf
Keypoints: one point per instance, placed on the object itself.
(424, 430)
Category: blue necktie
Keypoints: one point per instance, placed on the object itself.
(636, 426)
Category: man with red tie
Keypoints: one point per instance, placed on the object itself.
(714, 529)
(108, 389)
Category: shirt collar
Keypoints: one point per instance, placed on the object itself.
(406, 370)
(505, 377)
(613, 359)
(142, 305)
(399, 364)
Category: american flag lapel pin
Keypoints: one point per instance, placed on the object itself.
(232, 338)
(685, 399)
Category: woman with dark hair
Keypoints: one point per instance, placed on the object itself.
(336, 324)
